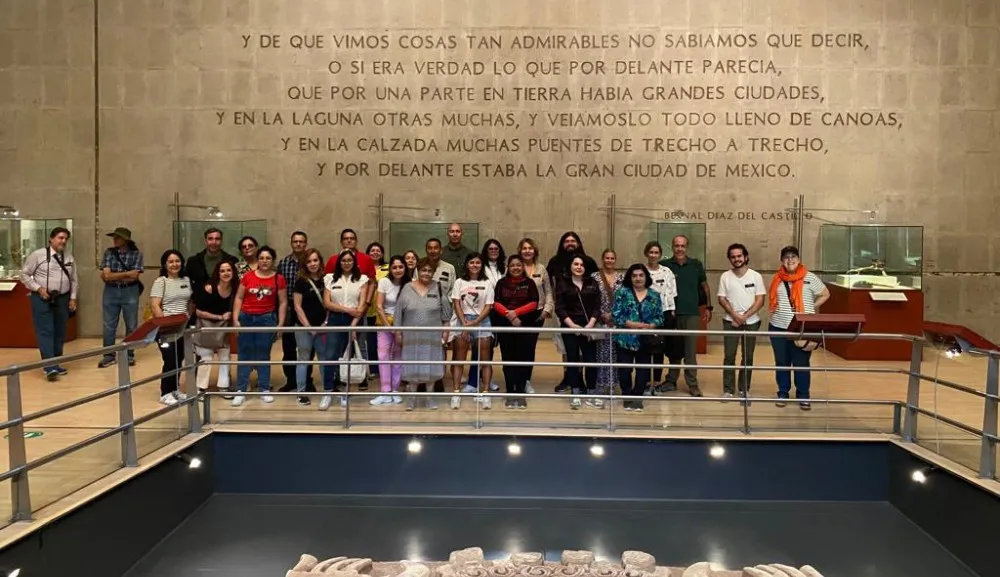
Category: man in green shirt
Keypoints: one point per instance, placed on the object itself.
(691, 284)
(454, 252)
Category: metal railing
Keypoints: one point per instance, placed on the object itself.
(202, 407)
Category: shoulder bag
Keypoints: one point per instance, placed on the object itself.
(653, 344)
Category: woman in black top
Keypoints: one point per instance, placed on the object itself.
(307, 299)
(578, 305)
(515, 304)
(214, 308)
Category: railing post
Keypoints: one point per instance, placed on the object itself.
(988, 454)
(191, 385)
(897, 419)
(20, 495)
(347, 378)
(913, 392)
(126, 418)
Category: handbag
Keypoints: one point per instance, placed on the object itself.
(212, 341)
(353, 372)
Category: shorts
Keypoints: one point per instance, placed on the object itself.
(475, 334)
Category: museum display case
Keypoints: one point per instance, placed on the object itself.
(878, 257)
(874, 270)
(19, 237)
(189, 235)
(697, 235)
(404, 236)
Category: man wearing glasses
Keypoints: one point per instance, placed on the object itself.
(288, 267)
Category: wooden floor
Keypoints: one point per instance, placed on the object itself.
(710, 418)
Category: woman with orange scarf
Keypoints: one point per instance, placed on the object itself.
(793, 290)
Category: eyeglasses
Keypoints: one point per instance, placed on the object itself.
(248, 246)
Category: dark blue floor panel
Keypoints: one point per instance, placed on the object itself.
(263, 535)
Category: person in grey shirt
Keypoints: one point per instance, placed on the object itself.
(50, 274)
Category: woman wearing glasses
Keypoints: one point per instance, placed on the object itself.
(423, 303)
(248, 255)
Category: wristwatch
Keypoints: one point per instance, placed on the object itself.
(710, 308)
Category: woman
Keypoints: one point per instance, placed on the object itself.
(528, 249)
(472, 298)
(386, 296)
(516, 305)
(171, 295)
(665, 284)
(261, 301)
(343, 296)
(248, 255)
(578, 306)
(411, 257)
(609, 280)
(421, 303)
(793, 290)
(636, 306)
(494, 260)
(214, 307)
(307, 301)
(376, 252)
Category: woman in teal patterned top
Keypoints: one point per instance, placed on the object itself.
(635, 307)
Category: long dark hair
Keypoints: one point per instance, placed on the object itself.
(501, 259)
(338, 271)
(406, 271)
(303, 271)
(163, 261)
(465, 267)
(216, 281)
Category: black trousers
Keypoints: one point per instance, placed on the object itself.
(173, 358)
(518, 347)
(631, 387)
(673, 346)
(580, 349)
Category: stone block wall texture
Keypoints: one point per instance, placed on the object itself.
(172, 77)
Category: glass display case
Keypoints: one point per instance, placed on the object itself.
(404, 236)
(19, 237)
(189, 235)
(872, 256)
(696, 233)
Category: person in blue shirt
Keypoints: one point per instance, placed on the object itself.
(636, 306)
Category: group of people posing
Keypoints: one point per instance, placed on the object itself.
(452, 286)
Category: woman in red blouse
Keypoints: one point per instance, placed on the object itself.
(515, 304)
(261, 301)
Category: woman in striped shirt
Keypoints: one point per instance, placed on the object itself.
(171, 295)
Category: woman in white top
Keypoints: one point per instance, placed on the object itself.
(528, 249)
(389, 348)
(171, 295)
(665, 284)
(343, 296)
(494, 261)
(472, 298)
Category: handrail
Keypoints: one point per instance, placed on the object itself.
(950, 421)
(16, 368)
(956, 386)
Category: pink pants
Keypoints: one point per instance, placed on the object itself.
(389, 373)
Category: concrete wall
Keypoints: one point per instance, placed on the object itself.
(176, 76)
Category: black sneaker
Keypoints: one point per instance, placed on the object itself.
(131, 361)
(51, 375)
(522, 403)
(106, 362)
(805, 405)
(61, 371)
(303, 401)
(562, 388)
(666, 387)
(510, 403)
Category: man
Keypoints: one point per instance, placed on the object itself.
(288, 267)
(120, 269)
(444, 274)
(200, 267)
(50, 274)
(349, 241)
(691, 284)
(741, 295)
(455, 253)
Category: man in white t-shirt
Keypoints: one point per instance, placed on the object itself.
(741, 295)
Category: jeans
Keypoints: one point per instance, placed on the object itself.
(255, 347)
(730, 344)
(50, 319)
(786, 354)
(307, 345)
(517, 347)
(389, 374)
(629, 387)
(689, 350)
(336, 344)
(173, 358)
(119, 301)
(372, 351)
(205, 371)
(579, 348)
(288, 352)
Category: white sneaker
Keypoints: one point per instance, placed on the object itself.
(397, 400)
(574, 403)
(179, 396)
(168, 399)
(487, 403)
(238, 400)
(381, 400)
(343, 402)
(456, 403)
(267, 399)
(324, 403)
(465, 380)
(726, 396)
(494, 387)
(528, 388)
